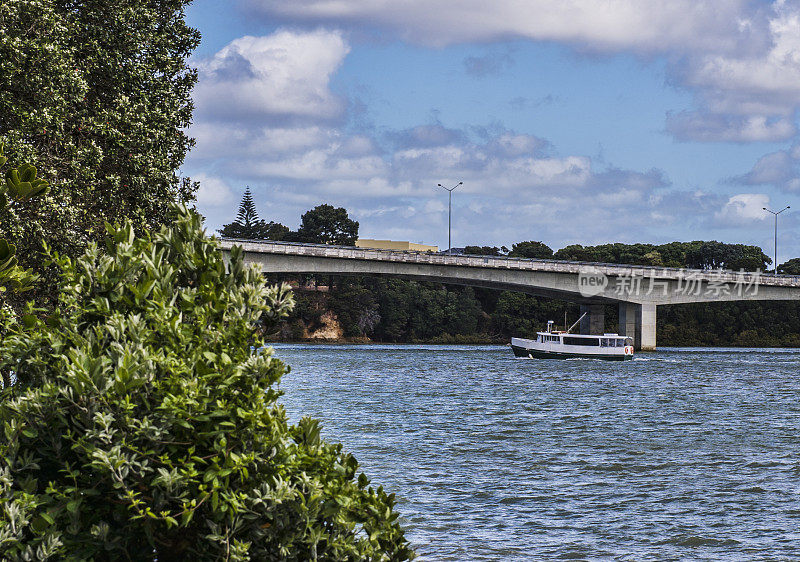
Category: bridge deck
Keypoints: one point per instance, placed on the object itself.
(495, 262)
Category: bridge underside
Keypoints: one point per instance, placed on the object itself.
(637, 310)
(636, 320)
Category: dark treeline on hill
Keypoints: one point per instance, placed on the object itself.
(397, 310)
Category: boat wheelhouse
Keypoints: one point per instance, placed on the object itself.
(554, 344)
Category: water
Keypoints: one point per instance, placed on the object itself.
(690, 454)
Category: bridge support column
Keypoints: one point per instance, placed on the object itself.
(646, 327)
(627, 319)
(595, 321)
(639, 322)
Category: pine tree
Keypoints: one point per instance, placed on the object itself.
(247, 224)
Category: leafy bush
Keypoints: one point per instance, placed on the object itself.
(20, 185)
(142, 426)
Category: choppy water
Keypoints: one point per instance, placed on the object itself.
(681, 454)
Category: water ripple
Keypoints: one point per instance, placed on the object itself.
(680, 454)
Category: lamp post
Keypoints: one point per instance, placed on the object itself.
(775, 268)
(449, 212)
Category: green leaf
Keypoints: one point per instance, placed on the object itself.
(30, 433)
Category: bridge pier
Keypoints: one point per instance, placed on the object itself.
(639, 322)
(595, 321)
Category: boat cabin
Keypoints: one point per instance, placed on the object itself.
(565, 338)
(593, 341)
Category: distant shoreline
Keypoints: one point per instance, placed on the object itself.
(366, 341)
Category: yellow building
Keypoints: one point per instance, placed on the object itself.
(394, 245)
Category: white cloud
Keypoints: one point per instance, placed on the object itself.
(740, 58)
(278, 78)
(743, 209)
(213, 192)
(706, 126)
(604, 25)
(283, 139)
(781, 169)
(746, 97)
(773, 76)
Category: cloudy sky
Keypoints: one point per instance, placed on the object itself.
(569, 121)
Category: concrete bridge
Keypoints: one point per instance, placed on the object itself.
(637, 290)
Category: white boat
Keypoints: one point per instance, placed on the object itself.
(554, 344)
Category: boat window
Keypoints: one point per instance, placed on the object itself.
(582, 341)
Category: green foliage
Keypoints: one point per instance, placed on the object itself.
(353, 302)
(482, 250)
(696, 255)
(531, 249)
(248, 226)
(747, 324)
(21, 185)
(398, 310)
(98, 95)
(325, 224)
(518, 314)
(142, 426)
(791, 267)
(11, 275)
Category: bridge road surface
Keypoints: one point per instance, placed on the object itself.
(637, 290)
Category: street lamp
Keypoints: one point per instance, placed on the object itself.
(775, 270)
(449, 212)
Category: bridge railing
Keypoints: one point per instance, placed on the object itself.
(504, 262)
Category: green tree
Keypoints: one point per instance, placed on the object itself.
(248, 226)
(355, 306)
(698, 255)
(326, 224)
(98, 95)
(142, 426)
(482, 251)
(531, 249)
(716, 255)
(791, 267)
(20, 185)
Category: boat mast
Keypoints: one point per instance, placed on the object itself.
(577, 322)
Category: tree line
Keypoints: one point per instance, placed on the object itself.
(397, 310)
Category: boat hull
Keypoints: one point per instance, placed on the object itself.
(542, 354)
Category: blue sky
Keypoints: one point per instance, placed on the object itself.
(568, 121)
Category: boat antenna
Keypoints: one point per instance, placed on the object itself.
(577, 322)
(565, 319)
